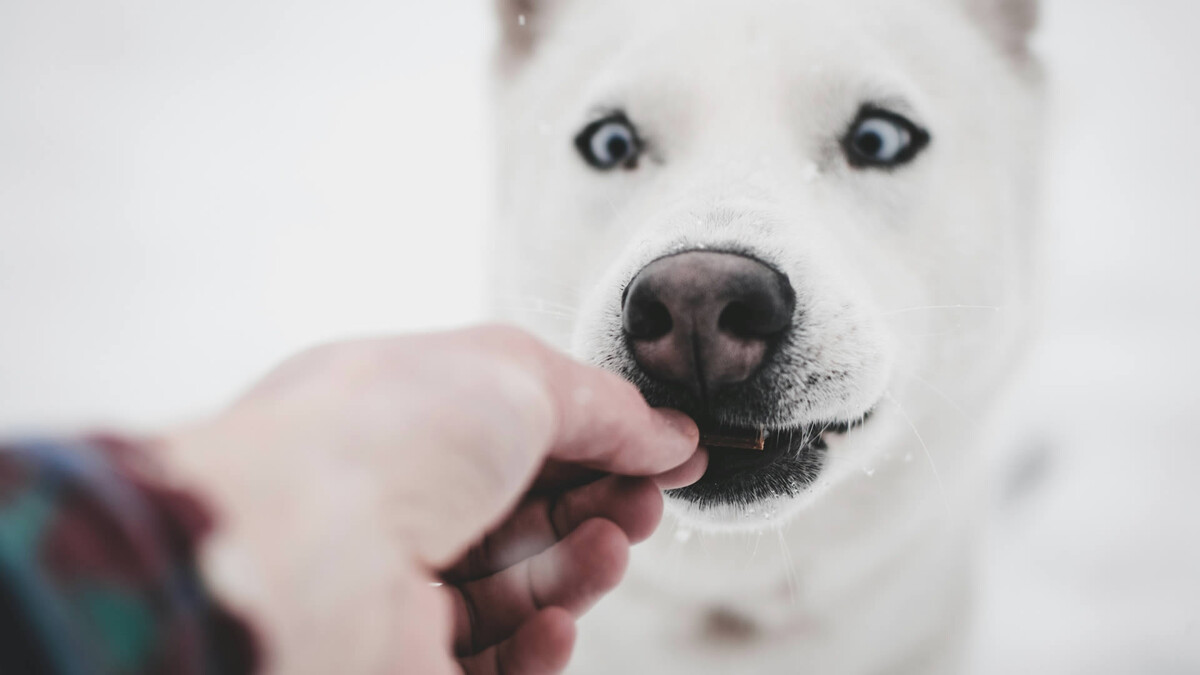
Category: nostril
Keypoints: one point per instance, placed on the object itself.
(740, 320)
(647, 320)
(754, 319)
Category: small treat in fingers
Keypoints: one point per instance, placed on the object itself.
(733, 438)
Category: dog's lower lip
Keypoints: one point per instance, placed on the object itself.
(773, 437)
(790, 460)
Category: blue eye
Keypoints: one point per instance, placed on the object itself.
(610, 142)
(879, 138)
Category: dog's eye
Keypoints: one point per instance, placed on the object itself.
(879, 138)
(610, 142)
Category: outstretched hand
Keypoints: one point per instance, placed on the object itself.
(356, 477)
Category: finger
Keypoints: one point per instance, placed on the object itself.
(633, 504)
(598, 419)
(491, 405)
(685, 474)
(541, 646)
(556, 476)
(572, 574)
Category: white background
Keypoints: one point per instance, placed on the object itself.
(191, 191)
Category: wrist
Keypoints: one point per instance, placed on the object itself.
(301, 545)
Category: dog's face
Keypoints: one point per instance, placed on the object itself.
(751, 209)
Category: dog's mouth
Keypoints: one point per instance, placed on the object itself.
(790, 460)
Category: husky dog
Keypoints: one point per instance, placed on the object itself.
(807, 217)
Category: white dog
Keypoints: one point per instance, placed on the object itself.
(803, 216)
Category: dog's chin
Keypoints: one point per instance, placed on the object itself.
(754, 488)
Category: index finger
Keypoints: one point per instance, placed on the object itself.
(599, 420)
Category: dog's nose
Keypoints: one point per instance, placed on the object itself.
(706, 320)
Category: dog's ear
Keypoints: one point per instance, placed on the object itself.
(1009, 22)
(520, 23)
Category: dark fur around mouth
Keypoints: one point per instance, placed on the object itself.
(791, 461)
(772, 399)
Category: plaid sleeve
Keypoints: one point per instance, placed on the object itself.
(98, 571)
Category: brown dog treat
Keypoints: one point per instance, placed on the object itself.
(734, 439)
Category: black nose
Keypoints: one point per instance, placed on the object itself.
(706, 320)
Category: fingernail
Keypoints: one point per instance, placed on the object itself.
(679, 422)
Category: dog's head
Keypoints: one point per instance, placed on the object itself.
(755, 210)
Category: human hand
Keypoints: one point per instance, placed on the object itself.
(356, 474)
(515, 594)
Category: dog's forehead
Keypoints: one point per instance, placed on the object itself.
(763, 53)
(745, 33)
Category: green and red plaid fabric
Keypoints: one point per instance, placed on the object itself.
(98, 570)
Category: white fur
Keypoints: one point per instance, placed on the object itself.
(914, 286)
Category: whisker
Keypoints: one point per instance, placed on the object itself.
(822, 431)
(787, 561)
(754, 553)
(535, 302)
(534, 276)
(930, 386)
(957, 330)
(675, 548)
(936, 475)
(540, 312)
(906, 310)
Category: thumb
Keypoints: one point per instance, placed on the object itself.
(470, 453)
(477, 445)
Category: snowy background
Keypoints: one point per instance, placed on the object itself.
(191, 191)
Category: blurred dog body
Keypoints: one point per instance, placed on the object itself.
(873, 162)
